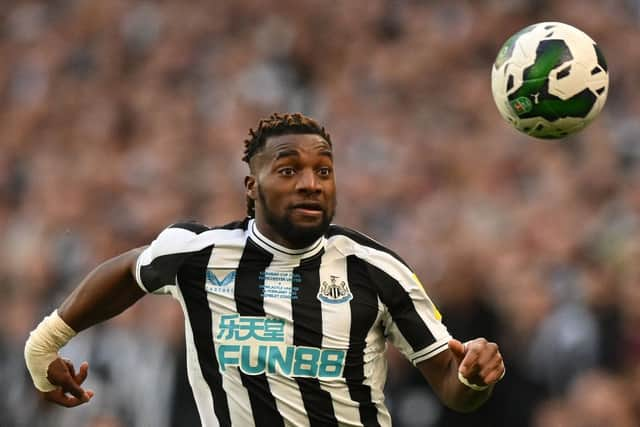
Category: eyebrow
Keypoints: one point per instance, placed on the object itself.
(326, 152)
(286, 153)
(294, 153)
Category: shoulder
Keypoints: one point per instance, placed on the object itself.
(358, 242)
(187, 236)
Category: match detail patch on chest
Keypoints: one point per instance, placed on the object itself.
(335, 290)
(279, 284)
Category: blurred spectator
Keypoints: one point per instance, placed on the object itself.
(121, 117)
(595, 399)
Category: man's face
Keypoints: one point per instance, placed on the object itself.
(294, 189)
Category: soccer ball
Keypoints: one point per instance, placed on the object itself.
(549, 80)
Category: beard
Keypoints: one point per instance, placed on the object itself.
(299, 236)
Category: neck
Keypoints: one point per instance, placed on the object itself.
(270, 233)
(287, 235)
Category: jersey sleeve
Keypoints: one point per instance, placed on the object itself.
(158, 265)
(411, 321)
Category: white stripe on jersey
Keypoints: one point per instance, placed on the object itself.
(201, 391)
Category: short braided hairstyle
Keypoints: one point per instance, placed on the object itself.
(276, 125)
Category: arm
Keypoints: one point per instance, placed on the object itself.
(479, 362)
(107, 291)
(413, 324)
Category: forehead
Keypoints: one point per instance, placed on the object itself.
(295, 142)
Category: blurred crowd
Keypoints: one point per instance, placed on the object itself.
(120, 117)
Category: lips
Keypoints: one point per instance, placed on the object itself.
(308, 206)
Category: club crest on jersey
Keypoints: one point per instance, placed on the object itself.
(334, 291)
(220, 280)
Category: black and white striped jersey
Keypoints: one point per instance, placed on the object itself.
(277, 336)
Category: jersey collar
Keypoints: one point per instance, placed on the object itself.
(279, 250)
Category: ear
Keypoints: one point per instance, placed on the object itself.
(250, 187)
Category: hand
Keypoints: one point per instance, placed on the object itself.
(62, 373)
(479, 361)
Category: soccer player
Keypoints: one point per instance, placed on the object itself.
(286, 314)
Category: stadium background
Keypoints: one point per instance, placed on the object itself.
(119, 117)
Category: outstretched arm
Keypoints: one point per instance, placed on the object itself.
(106, 292)
(478, 363)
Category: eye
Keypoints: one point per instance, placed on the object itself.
(287, 171)
(325, 171)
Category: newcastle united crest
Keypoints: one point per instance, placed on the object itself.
(335, 291)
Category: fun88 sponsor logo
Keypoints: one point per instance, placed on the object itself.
(256, 346)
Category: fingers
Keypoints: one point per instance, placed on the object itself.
(457, 348)
(469, 364)
(488, 357)
(61, 372)
(59, 397)
(77, 391)
(482, 363)
(70, 368)
(70, 386)
(495, 373)
(82, 374)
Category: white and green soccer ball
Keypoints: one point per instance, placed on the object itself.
(549, 80)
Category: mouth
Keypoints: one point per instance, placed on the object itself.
(308, 208)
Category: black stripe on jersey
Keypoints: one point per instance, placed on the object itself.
(362, 239)
(364, 310)
(190, 280)
(402, 310)
(307, 331)
(163, 269)
(254, 260)
(250, 302)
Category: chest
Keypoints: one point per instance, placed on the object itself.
(322, 303)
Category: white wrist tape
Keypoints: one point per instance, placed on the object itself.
(476, 387)
(472, 386)
(42, 348)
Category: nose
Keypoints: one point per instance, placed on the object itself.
(308, 181)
